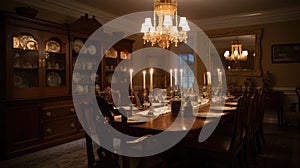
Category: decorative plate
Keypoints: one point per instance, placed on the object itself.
(28, 42)
(124, 54)
(92, 49)
(77, 45)
(16, 42)
(53, 79)
(111, 53)
(31, 45)
(52, 46)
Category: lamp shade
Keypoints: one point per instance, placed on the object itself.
(167, 20)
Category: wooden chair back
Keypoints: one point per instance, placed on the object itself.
(298, 94)
(239, 119)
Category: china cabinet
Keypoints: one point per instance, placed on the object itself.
(36, 61)
(116, 64)
(35, 99)
(36, 73)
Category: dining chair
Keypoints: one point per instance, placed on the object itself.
(259, 124)
(90, 117)
(249, 126)
(297, 90)
(106, 157)
(223, 147)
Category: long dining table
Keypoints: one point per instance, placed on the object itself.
(140, 123)
(164, 120)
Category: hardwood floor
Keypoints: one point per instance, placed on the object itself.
(282, 149)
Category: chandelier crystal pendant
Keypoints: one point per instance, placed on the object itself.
(165, 29)
(237, 54)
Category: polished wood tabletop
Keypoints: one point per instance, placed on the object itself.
(175, 123)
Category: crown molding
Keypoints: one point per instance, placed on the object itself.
(247, 19)
(70, 8)
(76, 10)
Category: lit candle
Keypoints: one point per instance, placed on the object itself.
(181, 82)
(175, 74)
(151, 79)
(208, 78)
(171, 71)
(144, 79)
(130, 71)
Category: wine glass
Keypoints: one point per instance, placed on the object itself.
(151, 100)
(163, 93)
(216, 92)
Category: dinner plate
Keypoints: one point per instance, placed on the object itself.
(223, 108)
(137, 119)
(52, 46)
(231, 103)
(53, 79)
(209, 115)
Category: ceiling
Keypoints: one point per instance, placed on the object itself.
(195, 10)
(192, 9)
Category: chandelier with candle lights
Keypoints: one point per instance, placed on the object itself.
(237, 54)
(165, 29)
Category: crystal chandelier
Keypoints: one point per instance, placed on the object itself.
(237, 54)
(165, 29)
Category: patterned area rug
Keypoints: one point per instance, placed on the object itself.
(68, 155)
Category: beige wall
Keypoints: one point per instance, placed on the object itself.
(286, 75)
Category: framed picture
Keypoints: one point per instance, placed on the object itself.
(286, 53)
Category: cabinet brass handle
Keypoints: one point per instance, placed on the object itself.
(72, 110)
(40, 62)
(43, 63)
(48, 114)
(72, 125)
(49, 130)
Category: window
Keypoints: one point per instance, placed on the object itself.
(187, 75)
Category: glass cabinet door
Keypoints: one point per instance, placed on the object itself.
(23, 62)
(55, 76)
(37, 63)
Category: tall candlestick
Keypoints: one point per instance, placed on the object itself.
(175, 74)
(218, 70)
(144, 79)
(181, 82)
(204, 79)
(130, 72)
(171, 71)
(220, 78)
(151, 79)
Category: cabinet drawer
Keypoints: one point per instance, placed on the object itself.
(60, 126)
(58, 111)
